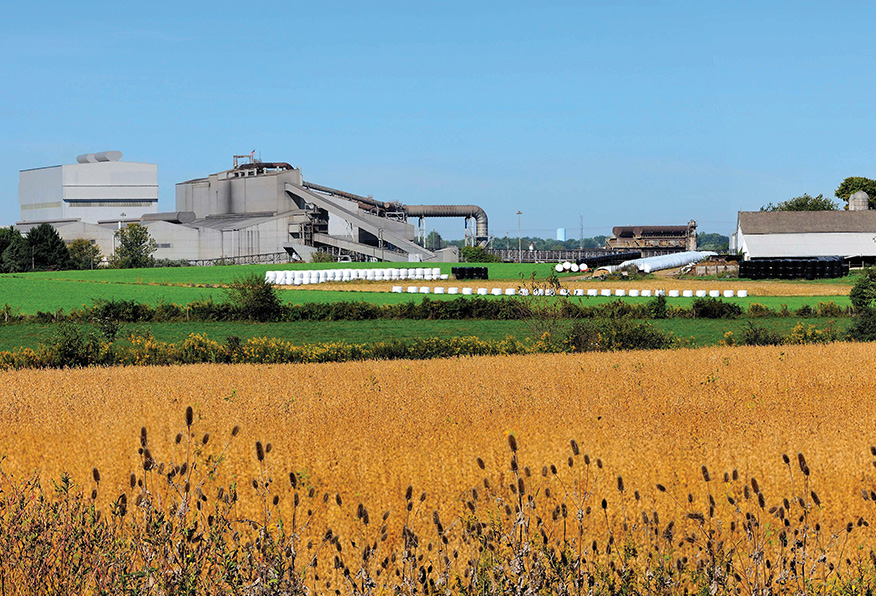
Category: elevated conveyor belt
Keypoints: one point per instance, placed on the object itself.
(387, 235)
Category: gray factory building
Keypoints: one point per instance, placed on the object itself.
(259, 209)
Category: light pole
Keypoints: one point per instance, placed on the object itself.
(519, 245)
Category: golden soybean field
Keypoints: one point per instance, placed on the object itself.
(367, 430)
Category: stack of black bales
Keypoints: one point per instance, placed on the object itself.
(811, 268)
(615, 258)
(463, 273)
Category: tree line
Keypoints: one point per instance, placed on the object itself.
(844, 191)
(43, 249)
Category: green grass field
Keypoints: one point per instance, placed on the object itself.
(30, 293)
(701, 332)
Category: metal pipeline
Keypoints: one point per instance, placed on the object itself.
(347, 195)
(474, 211)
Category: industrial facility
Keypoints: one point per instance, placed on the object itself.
(661, 239)
(256, 211)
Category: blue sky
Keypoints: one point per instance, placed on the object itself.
(620, 112)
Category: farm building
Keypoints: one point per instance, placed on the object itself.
(662, 238)
(266, 211)
(798, 234)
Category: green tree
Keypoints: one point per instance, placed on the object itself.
(84, 254)
(863, 293)
(803, 203)
(716, 242)
(434, 241)
(16, 256)
(134, 248)
(48, 250)
(853, 184)
(254, 298)
(7, 235)
(476, 254)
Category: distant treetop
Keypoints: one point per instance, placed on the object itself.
(803, 203)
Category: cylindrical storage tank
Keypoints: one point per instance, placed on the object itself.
(687, 293)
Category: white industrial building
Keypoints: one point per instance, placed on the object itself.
(254, 211)
(797, 234)
(97, 188)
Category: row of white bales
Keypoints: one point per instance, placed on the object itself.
(318, 276)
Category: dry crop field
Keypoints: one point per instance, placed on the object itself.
(367, 430)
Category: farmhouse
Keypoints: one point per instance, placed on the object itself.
(798, 234)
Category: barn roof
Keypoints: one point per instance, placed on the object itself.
(807, 222)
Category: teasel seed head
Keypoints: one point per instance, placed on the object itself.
(205, 439)
(480, 463)
(512, 442)
(143, 436)
(235, 430)
(178, 439)
(706, 476)
(409, 493)
(786, 459)
(620, 483)
(574, 446)
(260, 451)
(190, 416)
(96, 475)
(661, 488)
(268, 448)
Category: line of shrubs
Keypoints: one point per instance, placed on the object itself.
(73, 345)
(130, 311)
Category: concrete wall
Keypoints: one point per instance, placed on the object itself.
(41, 194)
(221, 194)
(91, 192)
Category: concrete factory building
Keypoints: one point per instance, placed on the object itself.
(267, 211)
(97, 188)
(795, 234)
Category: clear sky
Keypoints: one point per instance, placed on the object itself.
(621, 112)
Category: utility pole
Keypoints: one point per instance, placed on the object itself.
(581, 237)
(519, 245)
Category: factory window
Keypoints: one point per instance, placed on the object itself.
(32, 206)
(86, 203)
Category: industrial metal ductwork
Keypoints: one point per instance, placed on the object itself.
(480, 216)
